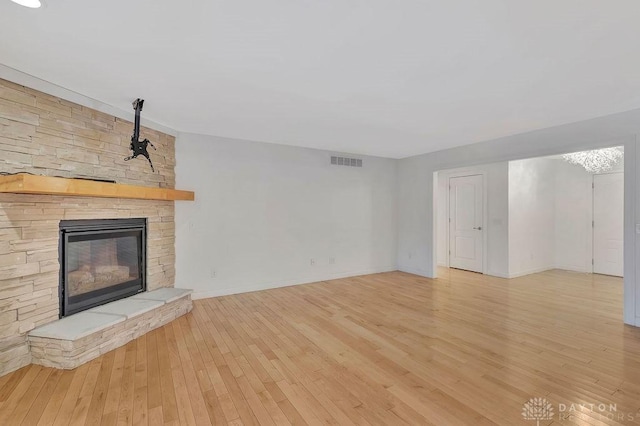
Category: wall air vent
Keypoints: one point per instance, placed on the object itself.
(344, 161)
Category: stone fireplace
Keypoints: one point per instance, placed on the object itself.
(45, 135)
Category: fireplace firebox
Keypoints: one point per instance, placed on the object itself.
(100, 261)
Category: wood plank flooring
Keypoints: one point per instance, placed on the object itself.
(388, 348)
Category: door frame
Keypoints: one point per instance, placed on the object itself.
(485, 210)
(591, 134)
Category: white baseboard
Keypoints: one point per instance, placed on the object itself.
(531, 271)
(417, 271)
(548, 268)
(498, 274)
(574, 269)
(523, 273)
(283, 283)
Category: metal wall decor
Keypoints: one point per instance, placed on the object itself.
(139, 147)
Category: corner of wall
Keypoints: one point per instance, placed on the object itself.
(44, 86)
(14, 357)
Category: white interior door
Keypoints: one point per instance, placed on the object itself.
(608, 223)
(465, 222)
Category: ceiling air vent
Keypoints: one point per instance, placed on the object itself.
(344, 161)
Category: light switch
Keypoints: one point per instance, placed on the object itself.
(637, 228)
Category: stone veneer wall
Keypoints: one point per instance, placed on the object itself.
(45, 135)
(68, 354)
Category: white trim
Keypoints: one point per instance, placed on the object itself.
(285, 283)
(531, 271)
(485, 212)
(44, 86)
(498, 274)
(574, 268)
(433, 273)
(417, 271)
(631, 289)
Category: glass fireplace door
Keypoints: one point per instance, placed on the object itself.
(100, 265)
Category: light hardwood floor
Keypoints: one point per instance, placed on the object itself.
(388, 348)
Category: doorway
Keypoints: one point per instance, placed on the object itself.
(521, 217)
(466, 200)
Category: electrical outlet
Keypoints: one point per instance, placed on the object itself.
(213, 273)
(332, 261)
(313, 262)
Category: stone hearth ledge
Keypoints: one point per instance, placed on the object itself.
(77, 339)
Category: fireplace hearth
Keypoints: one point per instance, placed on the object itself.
(100, 261)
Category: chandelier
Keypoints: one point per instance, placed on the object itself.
(597, 160)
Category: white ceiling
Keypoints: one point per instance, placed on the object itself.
(388, 78)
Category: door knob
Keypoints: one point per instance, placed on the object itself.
(479, 228)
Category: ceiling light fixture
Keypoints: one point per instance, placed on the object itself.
(597, 160)
(33, 4)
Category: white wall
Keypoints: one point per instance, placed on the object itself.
(532, 213)
(496, 215)
(416, 223)
(574, 212)
(263, 211)
(551, 213)
(538, 216)
(543, 223)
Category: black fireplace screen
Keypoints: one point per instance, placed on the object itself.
(101, 261)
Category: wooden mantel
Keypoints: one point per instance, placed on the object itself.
(33, 184)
